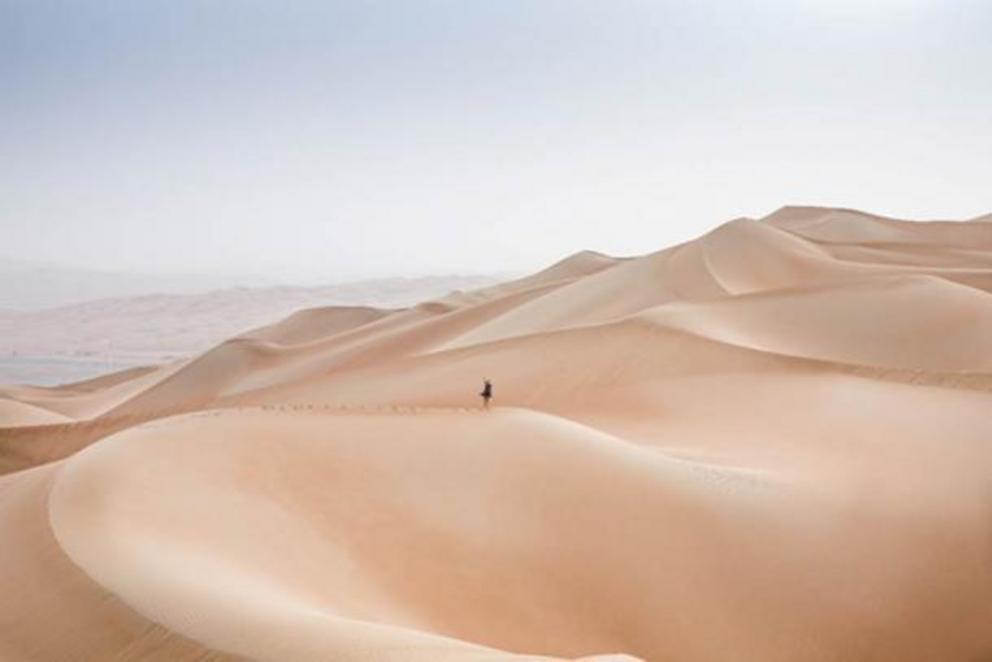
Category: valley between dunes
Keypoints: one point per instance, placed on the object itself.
(772, 444)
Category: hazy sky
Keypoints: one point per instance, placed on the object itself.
(331, 140)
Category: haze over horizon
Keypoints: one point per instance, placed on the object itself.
(337, 141)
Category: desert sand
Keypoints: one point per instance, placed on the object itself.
(56, 345)
(768, 444)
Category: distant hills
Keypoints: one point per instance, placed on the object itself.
(26, 285)
(125, 330)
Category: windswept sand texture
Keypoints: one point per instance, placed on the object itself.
(770, 444)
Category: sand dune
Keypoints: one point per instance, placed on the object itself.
(850, 226)
(903, 322)
(52, 610)
(316, 323)
(59, 343)
(82, 401)
(767, 444)
(16, 414)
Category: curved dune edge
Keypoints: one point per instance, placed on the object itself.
(885, 322)
(14, 413)
(225, 602)
(519, 531)
(51, 610)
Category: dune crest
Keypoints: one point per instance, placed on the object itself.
(770, 443)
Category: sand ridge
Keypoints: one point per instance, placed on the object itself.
(769, 443)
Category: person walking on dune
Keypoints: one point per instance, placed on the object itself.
(487, 393)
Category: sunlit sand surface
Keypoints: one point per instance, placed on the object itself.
(772, 443)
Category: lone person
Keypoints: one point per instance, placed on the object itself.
(487, 392)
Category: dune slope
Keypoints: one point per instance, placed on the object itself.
(767, 444)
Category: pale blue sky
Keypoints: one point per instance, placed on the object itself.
(333, 140)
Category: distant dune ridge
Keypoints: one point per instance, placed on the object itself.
(771, 443)
(70, 342)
